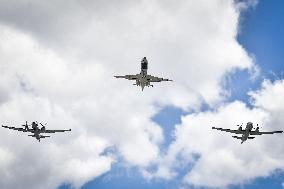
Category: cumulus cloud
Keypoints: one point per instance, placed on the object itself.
(39, 85)
(57, 62)
(217, 159)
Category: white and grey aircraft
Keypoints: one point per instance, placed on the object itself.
(35, 130)
(143, 79)
(246, 132)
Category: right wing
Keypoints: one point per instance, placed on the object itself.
(156, 79)
(129, 77)
(55, 131)
(229, 130)
(15, 128)
(262, 133)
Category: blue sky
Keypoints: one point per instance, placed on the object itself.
(262, 29)
(261, 34)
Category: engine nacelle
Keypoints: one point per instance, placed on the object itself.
(257, 129)
(137, 82)
(240, 128)
(43, 128)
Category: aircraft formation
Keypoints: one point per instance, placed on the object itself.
(143, 79)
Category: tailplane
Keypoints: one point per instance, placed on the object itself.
(43, 136)
(237, 137)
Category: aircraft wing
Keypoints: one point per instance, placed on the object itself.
(55, 131)
(15, 128)
(263, 133)
(156, 79)
(229, 130)
(129, 77)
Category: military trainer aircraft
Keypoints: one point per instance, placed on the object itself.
(35, 130)
(246, 132)
(143, 79)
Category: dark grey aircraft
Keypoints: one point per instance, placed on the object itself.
(143, 79)
(246, 132)
(35, 130)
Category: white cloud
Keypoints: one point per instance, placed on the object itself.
(57, 62)
(192, 42)
(41, 86)
(223, 160)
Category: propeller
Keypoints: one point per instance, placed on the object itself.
(26, 124)
(257, 127)
(43, 125)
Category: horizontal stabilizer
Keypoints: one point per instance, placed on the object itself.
(43, 136)
(237, 137)
(251, 137)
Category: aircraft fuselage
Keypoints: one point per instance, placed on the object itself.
(36, 131)
(246, 134)
(142, 80)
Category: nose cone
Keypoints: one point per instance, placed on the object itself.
(144, 60)
(249, 123)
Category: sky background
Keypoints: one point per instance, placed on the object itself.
(57, 60)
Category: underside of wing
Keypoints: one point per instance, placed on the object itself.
(55, 131)
(263, 133)
(229, 130)
(129, 77)
(15, 128)
(156, 79)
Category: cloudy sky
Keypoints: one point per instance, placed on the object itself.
(57, 61)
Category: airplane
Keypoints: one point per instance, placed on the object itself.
(143, 79)
(35, 130)
(246, 132)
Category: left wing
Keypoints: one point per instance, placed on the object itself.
(229, 130)
(156, 79)
(129, 77)
(262, 133)
(15, 128)
(54, 131)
